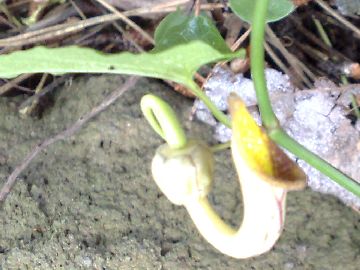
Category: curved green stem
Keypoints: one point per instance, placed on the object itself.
(219, 115)
(163, 120)
(267, 114)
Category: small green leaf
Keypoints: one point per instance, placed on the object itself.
(179, 28)
(277, 9)
(183, 44)
(178, 63)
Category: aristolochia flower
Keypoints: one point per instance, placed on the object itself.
(265, 175)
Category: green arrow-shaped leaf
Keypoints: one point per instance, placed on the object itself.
(177, 54)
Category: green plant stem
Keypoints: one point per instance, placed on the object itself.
(322, 32)
(257, 64)
(285, 141)
(219, 115)
(267, 114)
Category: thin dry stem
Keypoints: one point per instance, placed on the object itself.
(118, 27)
(240, 40)
(78, 10)
(10, 84)
(197, 7)
(25, 111)
(276, 59)
(292, 60)
(127, 20)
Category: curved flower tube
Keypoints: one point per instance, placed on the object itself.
(265, 175)
(163, 120)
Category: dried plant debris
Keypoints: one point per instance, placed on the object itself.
(348, 7)
(317, 118)
(134, 4)
(130, 4)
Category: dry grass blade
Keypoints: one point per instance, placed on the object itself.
(292, 60)
(276, 59)
(27, 111)
(240, 40)
(9, 85)
(313, 38)
(127, 20)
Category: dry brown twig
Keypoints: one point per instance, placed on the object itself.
(127, 20)
(292, 60)
(118, 27)
(11, 180)
(276, 59)
(78, 10)
(13, 83)
(28, 110)
(197, 7)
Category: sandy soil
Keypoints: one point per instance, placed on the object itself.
(89, 202)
